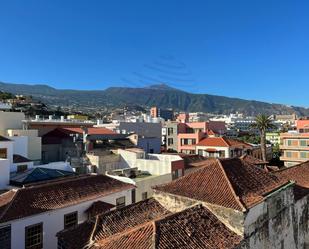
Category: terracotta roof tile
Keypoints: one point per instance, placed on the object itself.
(68, 191)
(208, 184)
(99, 207)
(298, 173)
(115, 222)
(214, 141)
(253, 160)
(222, 142)
(231, 183)
(195, 228)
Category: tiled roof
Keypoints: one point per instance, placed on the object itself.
(222, 142)
(20, 159)
(298, 173)
(99, 207)
(195, 228)
(56, 194)
(115, 222)
(253, 160)
(141, 237)
(4, 139)
(214, 141)
(230, 183)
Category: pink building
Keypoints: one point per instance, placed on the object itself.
(193, 133)
(302, 126)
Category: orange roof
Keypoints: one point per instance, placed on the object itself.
(231, 183)
(298, 173)
(222, 142)
(214, 141)
(91, 131)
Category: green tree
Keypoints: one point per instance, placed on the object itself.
(263, 123)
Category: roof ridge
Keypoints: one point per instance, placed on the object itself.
(59, 180)
(230, 186)
(292, 167)
(226, 141)
(10, 202)
(128, 231)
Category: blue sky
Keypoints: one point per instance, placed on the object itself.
(247, 49)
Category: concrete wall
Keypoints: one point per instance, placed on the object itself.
(233, 219)
(142, 129)
(20, 145)
(53, 221)
(278, 222)
(10, 120)
(104, 163)
(4, 173)
(34, 142)
(149, 145)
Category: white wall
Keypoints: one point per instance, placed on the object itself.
(53, 221)
(34, 142)
(20, 145)
(4, 173)
(225, 149)
(156, 164)
(10, 120)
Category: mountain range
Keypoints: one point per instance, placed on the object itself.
(160, 95)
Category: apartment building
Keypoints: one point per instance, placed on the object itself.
(294, 147)
(192, 133)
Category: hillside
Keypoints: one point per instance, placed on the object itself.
(158, 95)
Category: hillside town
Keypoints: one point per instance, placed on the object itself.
(158, 179)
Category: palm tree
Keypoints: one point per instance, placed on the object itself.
(263, 123)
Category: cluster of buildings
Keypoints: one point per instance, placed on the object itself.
(157, 181)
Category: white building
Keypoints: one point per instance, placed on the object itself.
(38, 212)
(136, 167)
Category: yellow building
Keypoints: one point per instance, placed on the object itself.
(77, 117)
(294, 147)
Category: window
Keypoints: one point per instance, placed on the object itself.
(70, 220)
(133, 195)
(34, 236)
(289, 142)
(303, 142)
(174, 174)
(5, 237)
(120, 202)
(144, 196)
(170, 141)
(22, 168)
(170, 131)
(3, 153)
(200, 152)
(303, 154)
(288, 154)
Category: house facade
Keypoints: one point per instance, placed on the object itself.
(38, 212)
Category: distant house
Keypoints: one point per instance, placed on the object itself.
(222, 147)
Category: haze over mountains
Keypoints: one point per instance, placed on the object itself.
(155, 95)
